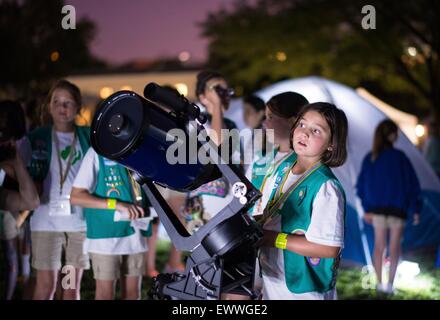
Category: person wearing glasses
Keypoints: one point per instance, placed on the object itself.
(214, 95)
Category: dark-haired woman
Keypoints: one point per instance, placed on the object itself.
(389, 190)
(214, 93)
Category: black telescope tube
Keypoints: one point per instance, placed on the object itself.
(156, 93)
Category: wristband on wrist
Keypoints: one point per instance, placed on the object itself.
(111, 204)
(281, 241)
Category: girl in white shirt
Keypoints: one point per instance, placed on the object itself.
(54, 154)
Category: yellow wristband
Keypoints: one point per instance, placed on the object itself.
(281, 241)
(111, 204)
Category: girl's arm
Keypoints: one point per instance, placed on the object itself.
(217, 124)
(216, 110)
(27, 197)
(300, 245)
(82, 197)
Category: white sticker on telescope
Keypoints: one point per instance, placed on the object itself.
(239, 189)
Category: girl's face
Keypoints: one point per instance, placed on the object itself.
(62, 107)
(252, 118)
(311, 137)
(281, 126)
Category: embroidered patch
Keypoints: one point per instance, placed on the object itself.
(113, 190)
(314, 261)
(301, 193)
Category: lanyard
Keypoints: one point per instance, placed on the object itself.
(273, 168)
(281, 197)
(63, 176)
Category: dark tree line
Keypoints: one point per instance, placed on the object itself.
(35, 49)
(270, 40)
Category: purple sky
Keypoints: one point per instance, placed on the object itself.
(145, 29)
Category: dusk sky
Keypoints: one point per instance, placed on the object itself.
(145, 29)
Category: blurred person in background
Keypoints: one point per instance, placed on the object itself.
(17, 191)
(390, 192)
(253, 116)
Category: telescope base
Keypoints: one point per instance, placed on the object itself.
(209, 279)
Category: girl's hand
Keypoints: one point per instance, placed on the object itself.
(134, 212)
(368, 217)
(212, 103)
(268, 239)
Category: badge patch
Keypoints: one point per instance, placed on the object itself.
(301, 194)
(314, 261)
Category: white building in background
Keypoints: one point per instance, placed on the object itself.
(95, 87)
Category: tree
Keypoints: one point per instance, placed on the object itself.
(35, 47)
(276, 39)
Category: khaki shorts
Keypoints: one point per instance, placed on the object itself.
(382, 221)
(110, 267)
(9, 230)
(47, 249)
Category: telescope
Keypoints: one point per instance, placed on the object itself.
(135, 132)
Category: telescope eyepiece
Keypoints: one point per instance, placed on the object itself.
(171, 100)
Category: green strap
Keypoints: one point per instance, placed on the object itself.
(281, 197)
(288, 163)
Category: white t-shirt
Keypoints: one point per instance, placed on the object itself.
(326, 228)
(41, 220)
(214, 204)
(87, 179)
(268, 186)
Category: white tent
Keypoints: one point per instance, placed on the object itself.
(406, 121)
(363, 117)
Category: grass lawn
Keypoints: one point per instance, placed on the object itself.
(353, 282)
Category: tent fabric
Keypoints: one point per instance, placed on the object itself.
(406, 121)
(363, 117)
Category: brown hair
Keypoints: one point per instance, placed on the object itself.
(381, 139)
(337, 121)
(60, 84)
(287, 104)
(203, 77)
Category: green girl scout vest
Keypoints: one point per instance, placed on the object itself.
(113, 182)
(306, 274)
(264, 167)
(41, 145)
